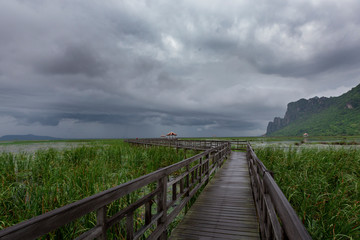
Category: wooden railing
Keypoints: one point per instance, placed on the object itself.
(176, 143)
(188, 144)
(277, 218)
(165, 193)
(238, 145)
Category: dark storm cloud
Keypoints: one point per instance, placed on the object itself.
(338, 59)
(208, 120)
(189, 119)
(53, 119)
(151, 66)
(237, 125)
(74, 60)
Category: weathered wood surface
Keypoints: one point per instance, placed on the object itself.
(225, 209)
(277, 218)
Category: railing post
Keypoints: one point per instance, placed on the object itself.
(162, 206)
(130, 226)
(101, 221)
(187, 180)
(207, 167)
(200, 169)
(148, 212)
(187, 186)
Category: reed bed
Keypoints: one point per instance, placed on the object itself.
(322, 185)
(34, 183)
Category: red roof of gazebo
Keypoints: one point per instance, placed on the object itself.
(171, 134)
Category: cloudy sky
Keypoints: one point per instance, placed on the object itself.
(131, 68)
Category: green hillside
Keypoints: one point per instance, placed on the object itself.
(340, 117)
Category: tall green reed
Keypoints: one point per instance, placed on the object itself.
(32, 184)
(322, 185)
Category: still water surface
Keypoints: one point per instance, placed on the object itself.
(33, 147)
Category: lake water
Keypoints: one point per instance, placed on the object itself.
(296, 144)
(33, 147)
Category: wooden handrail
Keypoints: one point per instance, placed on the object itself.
(188, 144)
(272, 205)
(171, 194)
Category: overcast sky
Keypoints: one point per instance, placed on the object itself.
(118, 68)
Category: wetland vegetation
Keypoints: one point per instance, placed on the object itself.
(322, 185)
(321, 182)
(33, 183)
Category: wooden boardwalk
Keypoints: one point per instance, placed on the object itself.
(225, 209)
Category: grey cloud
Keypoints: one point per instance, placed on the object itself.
(186, 120)
(237, 124)
(29, 118)
(166, 82)
(74, 60)
(53, 119)
(219, 45)
(191, 66)
(208, 120)
(327, 61)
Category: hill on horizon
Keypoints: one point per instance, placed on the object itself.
(320, 116)
(28, 137)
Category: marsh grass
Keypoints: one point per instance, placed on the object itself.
(35, 183)
(322, 185)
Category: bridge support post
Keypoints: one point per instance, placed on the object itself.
(200, 169)
(162, 184)
(101, 221)
(207, 169)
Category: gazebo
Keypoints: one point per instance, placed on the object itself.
(171, 135)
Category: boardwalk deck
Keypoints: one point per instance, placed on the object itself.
(225, 209)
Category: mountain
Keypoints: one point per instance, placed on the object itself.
(28, 137)
(320, 116)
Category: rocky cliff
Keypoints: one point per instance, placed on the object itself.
(297, 110)
(320, 116)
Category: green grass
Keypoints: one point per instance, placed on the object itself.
(274, 139)
(323, 186)
(32, 184)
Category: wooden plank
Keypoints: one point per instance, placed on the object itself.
(225, 232)
(209, 235)
(225, 209)
(225, 224)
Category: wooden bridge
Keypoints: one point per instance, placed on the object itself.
(239, 200)
(225, 209)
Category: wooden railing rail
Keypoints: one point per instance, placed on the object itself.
(165, 193)
(238, 145)
(277, 218)
(186, 144)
